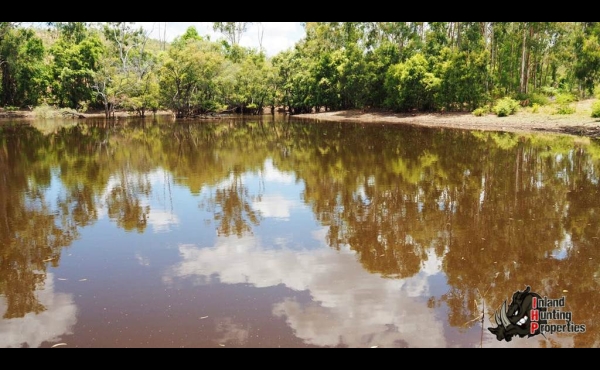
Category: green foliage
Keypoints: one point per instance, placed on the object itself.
(539, 99)
(411, 86)
(76, 59)
(46, 111)
(535, 107)
(83, 106)
(481, 111)
(24, 75)
(549, 91)
(587, 64)
(563, 103)
(596, 109)
(505, 107)
(565, 98)
(455, 66)
(192, 76)
(463, 76)
(597, 92)
(564, 109)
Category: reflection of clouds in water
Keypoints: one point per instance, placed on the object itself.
(162, 221)
(239, 260)
(48, 326)
(433, 264)
(276, 206)
(142, 260)
(321, 235)
(272, 174)
(232, 332)
(350, 305)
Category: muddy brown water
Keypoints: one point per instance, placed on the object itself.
(274, 232)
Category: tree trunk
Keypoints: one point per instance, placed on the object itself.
(524, 63)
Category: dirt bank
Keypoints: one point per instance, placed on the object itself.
(545, 120)
(28, 114)
(525, 120)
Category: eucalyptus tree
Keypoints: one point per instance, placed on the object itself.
(5, 28)
(191, 77)
(109, 85)
(458, 56)
(405, 36)
(411, 85)
(333, 52)
(587, 51)
(22, 68)
(232, 31)
(315, 54)
(377, 62)
(133, 67)
(253, 83)
(76, 56)
(297, 81)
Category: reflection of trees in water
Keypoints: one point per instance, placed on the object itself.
(124, 204)
(232, 209)
(496, 221)
(494, 209)
(91, 159)
(31, 234)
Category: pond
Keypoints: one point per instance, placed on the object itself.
(269, 232)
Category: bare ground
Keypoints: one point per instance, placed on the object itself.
(29, 114)
(545, 120)
(525, 120)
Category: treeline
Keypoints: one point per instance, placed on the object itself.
(402, 66)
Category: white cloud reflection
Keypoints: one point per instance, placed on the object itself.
(272, 174)
(350, 305)
(276, 206)
(48, 326)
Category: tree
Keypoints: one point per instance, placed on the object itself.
(76, 56)
(24, 74)
(134, 73)
(411, 86)
(191, 77)
(232, 31)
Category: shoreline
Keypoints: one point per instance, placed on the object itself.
(579, 123)
(525, 120)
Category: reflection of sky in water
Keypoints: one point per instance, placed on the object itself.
(49, 325)
(563, 248)
(349, 306)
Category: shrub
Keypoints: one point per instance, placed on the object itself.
(563, 101)
(596, 109)
(535, 108)
(564, 109)
(565, 98)
(538, 99)
(47, 111)
(549, 90)
(505, 107)
(481, 111)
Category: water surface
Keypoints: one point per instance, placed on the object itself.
(271, 232)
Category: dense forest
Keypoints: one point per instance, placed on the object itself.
(400, 66)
